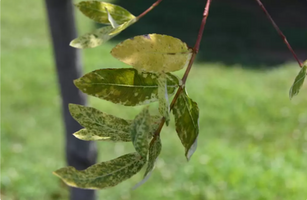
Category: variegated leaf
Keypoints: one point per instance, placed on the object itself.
(98, 11)
(154, 152)
(299, 81)
(154, 125)
(111, 20)
(140, 132)
(122, 27)
(153, 53)
(99, 125)
(93, 39)
(163, 97)
(103, 175)
(124, 86)
(186, 120)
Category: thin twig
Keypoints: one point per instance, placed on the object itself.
(279, 32)
(185, 76)
(149, 9)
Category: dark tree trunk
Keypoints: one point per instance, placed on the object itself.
(79, 154)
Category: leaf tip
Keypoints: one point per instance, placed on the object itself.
(74, 43)
(191, 150)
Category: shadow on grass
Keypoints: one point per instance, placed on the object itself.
(237, 32)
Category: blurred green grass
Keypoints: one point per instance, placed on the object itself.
(252, 143)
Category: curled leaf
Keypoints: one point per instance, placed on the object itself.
(98, 11)
(111, 20)
(116, 17)
(153, 53)
(124, 86)
(103, 175)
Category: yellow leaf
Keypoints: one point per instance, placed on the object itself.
(153, 53)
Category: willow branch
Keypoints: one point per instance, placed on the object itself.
(279, 32)
(149, 9)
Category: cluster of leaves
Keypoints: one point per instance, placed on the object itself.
(153, 58)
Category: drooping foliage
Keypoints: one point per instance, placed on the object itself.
(153, 58)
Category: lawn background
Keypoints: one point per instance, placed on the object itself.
(252, 142)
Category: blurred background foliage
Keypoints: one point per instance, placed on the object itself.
(253, 139)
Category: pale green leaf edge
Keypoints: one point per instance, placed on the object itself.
(299, 81)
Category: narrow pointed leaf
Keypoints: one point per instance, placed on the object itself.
(163, 97)
(103, 175)
(186, 120)
(122, 27)
(111, 20)
(99, 125)
(154, 125)
(93, 39)
(140, 132)
(124, 86)
(154, 152)
(299, 81)
(153, 53)
(96, 10)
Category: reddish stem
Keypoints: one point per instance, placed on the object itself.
(194, 53)
(149, 9)
(279, 32)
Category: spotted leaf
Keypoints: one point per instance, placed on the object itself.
(299, 81)
(186, 120)
(103, 175)
(98, 11)
(163, 97)
(99, 125)
(93, 39)
(154, 152)
(124, 86)
(140, 132)
(153, 53)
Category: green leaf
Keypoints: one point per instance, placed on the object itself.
(163, 97)
(154, 152)
(99, 125)
(122, 27)
(299, 81)
(103, 175)
(111, 20)
(154, 125)
(153, 53)
(98, 11)
(186, 120)
(124, 86)
(93, 39)
(140, 132)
